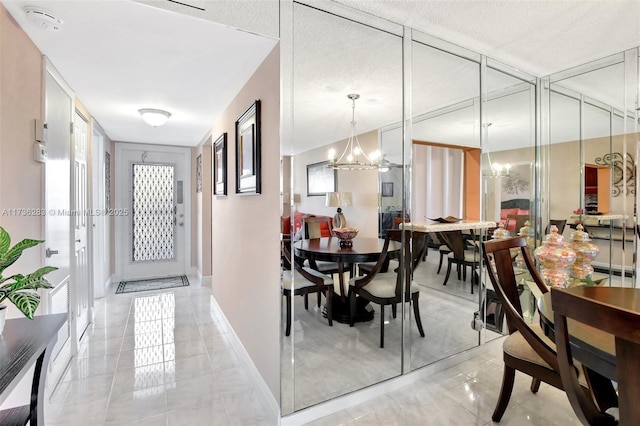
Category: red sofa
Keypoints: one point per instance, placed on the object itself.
(325, 228)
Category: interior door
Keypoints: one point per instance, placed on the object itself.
(81, 282)
(152, 213)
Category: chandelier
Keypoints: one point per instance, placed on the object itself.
(353, 157)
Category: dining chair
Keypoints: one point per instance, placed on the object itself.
(559, 223)
(300, 282)
(622, 324)
(517, 220)
(392, 262)
(388, 288)
(313, 229)
(461, 255)
(526, 348)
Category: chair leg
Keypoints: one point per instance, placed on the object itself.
(446, 278)
(306, 301)
(288, 302)
(394, 310)
(329, 297)
(464, 272)
(458, 266)
(319, 298)
(352, 308)
(505, 393)
(440, 263)
(382, 326)
(416, 312)
(535, 385)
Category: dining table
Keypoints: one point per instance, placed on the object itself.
(595, 348)
(363, 249)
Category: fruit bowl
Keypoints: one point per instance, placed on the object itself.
(345, 235)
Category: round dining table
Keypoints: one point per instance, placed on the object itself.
(364, 249)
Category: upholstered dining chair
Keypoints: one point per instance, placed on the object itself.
(388, 288)
(617, 322)
(517, 220)
(526, 349)
(461, 255)
(313, 229)
(300, 282)
(559, 223)
(366, 267)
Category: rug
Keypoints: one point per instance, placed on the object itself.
(152, 284)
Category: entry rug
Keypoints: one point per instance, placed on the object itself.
(152, 284)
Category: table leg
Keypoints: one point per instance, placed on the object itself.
(627, 354)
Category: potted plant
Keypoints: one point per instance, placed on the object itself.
(19, 289)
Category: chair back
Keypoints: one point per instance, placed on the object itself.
(559, 223)
(578, 305)
(312, 228)
(517, 219)
(398, 220)
(498, 258)
(455, 241)
(414, 247)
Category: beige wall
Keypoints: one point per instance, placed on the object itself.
(21, 178)
(245, 229)
(363, 185)
(201, 214)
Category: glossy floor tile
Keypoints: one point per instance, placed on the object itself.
(157, 358)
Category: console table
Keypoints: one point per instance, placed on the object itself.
(24, 343)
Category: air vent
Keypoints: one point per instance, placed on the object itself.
(43, 19)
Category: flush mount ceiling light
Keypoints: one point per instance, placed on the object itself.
(353, 157)
(154, 117)
(43, 19)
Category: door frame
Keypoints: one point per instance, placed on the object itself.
(99, 222)
(121, 201)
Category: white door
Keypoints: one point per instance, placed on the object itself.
(81, 282)
(152, 213)
(58, 117)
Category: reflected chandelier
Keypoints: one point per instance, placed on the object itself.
(353, 157)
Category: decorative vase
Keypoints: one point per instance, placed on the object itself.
(500, 233)
(585, 251)
(3, 316)
(554, 258)
(529, 234)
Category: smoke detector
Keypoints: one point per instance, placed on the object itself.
(43, 19)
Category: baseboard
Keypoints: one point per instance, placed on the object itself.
(245, 358)
(358, 397)
(206, 280)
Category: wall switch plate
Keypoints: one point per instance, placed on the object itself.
(39, 153)
(40, 133)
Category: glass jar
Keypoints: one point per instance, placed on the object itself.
(555, 258)
(585, 251)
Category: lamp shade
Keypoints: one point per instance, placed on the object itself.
(154, 117)
(338, 199)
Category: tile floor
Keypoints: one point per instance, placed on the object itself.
(163, 358)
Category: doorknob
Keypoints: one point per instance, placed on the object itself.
(49, 252)
(180, 223)
(78, 240)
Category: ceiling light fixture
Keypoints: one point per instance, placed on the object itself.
(154, 117)
(351, 156)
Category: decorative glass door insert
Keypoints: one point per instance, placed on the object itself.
(153, 212)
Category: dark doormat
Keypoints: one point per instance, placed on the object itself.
(152, 284)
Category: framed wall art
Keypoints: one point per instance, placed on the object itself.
(248, 151)
(199, 173)
(387, 189)
(220, 165)
(321, 179)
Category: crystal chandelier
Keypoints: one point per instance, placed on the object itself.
(353, 157)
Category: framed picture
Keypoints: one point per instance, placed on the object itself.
(321, 179)
(248, 151)
(387, 189)
(220, 165)
(199, 173)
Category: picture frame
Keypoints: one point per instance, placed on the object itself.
(387, 189)
(199, 173)
(248, 152)
(220, 165)
(321, 179)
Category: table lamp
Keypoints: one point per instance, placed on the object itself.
(339, 200)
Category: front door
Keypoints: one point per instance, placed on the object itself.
(152, 213)
(79, 199)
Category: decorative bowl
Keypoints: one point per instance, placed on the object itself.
(345, 235)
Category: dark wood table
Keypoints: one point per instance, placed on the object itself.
(594, 348)
(328, 249)
(23, 343)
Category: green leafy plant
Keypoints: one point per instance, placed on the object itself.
(21, 289)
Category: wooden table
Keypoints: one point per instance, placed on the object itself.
(595, 349)
(23, 343)
(328, 249)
